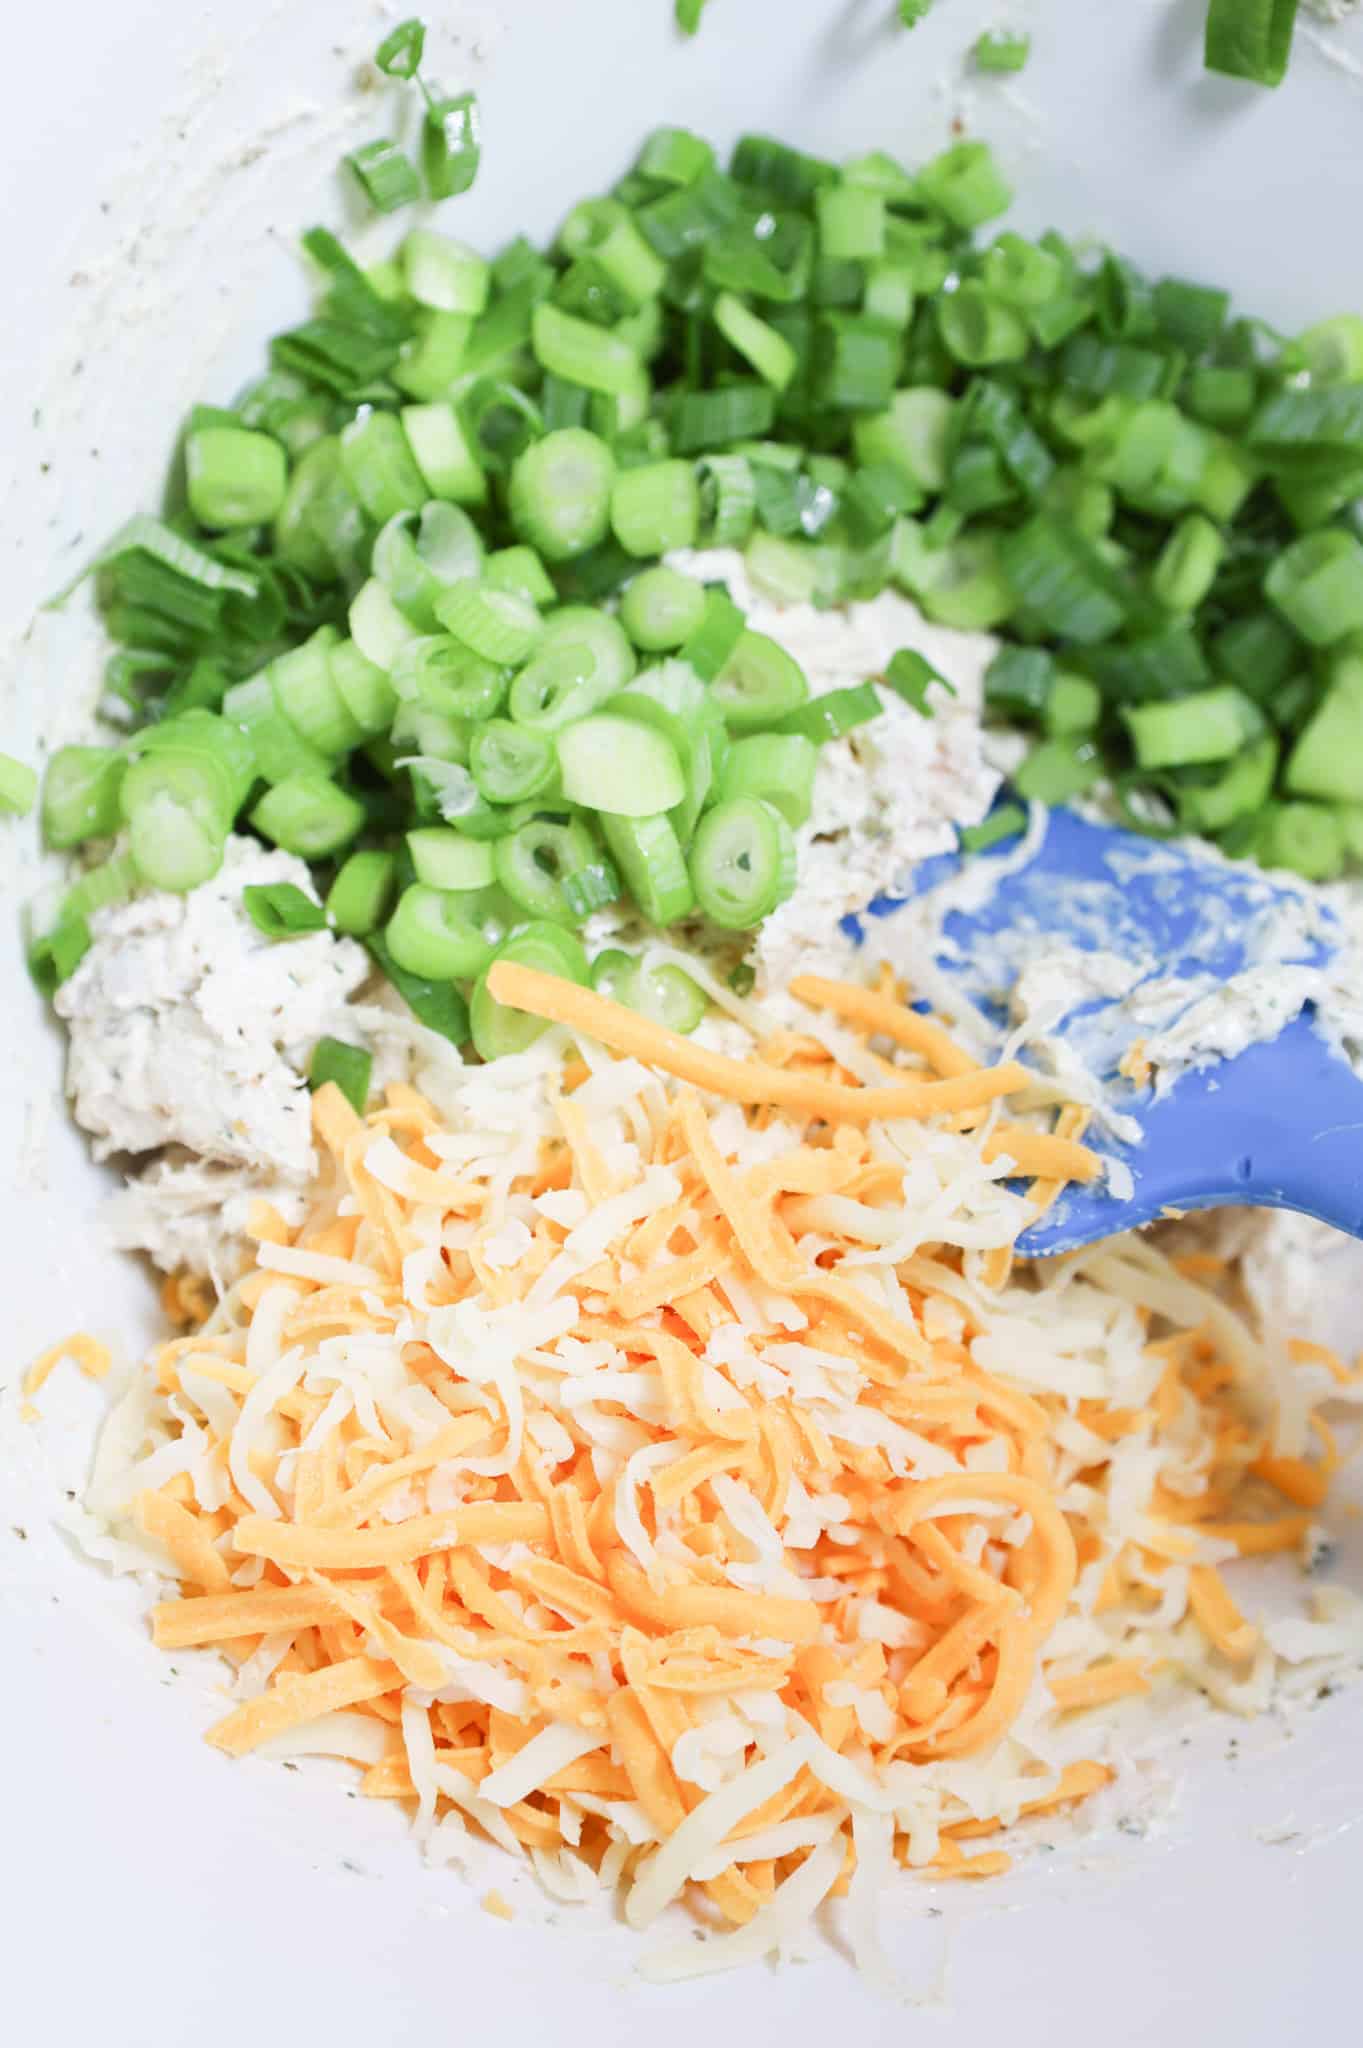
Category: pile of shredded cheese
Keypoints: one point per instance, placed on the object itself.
(647, 1459)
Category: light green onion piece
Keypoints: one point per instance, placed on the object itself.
(649, 857)
(234, 477)
(308, 815)
(358, 900)
(433, 934)
(851, 222)
(81, 795)
(778, 767)
(1317, 585)
(768, 351)
(661, 609)
(442, 453)
(18, 785)
(445, 860)
(583, 354)
(499, 625)
(445, 274)
(511, 763)
(656, 508)
(742, 863)
(1210, 725)
(559, 495)
(760, 684)
(377, 461)
(619, 766)
(533, 863)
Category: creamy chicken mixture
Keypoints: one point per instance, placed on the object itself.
(190, 1031)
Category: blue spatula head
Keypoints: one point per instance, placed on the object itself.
(1278, 1124)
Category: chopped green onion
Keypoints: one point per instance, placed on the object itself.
(1308, 839)
(349, 1066)
(1062, 581)
(1250, 39)
(444, 274)
(440, 448)
(661, 609)
(1317, 585)
(358, 900)
(378, 466)
(81, 795)
(1019, 682)
(534, 862)
(1326, 761)
(910, 674)
(656, 508)
(965, 184)
(703, 420)
(714, 642)
(309, 815)
(18, 786)
(1187, 565)
(1212, 725)
(436, 935)
(979, 330)
(1057, 770)
(1073, 707)
(590, 889)
(619, 766)
(851, 222)
(451, 145)
(282, 910)
(1004, 823)
(760, 344)
(445, 860)
(650, 859)
(436, 1004)
(582, 354)
(520, 570)
(856, 362)
(778, 767)
(499, 625)
(759, 685)
(833, 714)
(399, 54)
(385, 175)
(234, 477)
(499, 1029)
(559, 495)
(1001, 50)
(511, 763)
(1241, 790)
(742, 862)
(688, 14)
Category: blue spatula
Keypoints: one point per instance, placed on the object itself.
(1279, 1125)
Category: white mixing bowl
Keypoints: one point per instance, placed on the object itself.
(160, 162)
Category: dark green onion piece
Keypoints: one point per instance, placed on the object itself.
(1004, 823)
(399, 54)
(1001, 50)
(1019, 682)
(910, 674)
(436, 1004)
(1250, 39)
(451, 145)
(281, 910)
(349, 1066)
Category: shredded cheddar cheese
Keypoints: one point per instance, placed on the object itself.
(656, 1467)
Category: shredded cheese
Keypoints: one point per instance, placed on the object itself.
(661, 1466)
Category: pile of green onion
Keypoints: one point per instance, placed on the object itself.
(408, 619)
